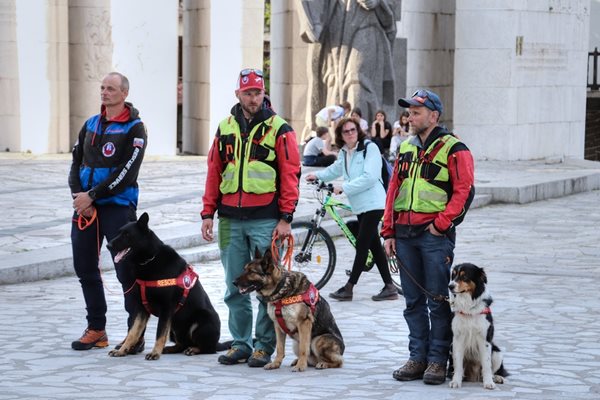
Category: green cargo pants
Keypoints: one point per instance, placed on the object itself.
(237, 242)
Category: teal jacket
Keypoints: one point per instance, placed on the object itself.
(362, 177)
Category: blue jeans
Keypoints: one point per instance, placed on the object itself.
(238, 240)
(428, 259)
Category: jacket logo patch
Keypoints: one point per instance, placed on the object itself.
(138, 142)
(108, 150)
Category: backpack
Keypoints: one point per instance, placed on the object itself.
(386, 167)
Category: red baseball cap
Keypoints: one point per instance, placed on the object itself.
(250, 78)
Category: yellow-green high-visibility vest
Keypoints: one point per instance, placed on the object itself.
(426, 189)
(251, 160)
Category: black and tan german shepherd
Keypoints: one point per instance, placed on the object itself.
(297, 310)
(169, 289)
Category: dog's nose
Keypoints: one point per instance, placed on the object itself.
(451, 286)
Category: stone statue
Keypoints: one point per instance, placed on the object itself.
(350, 54)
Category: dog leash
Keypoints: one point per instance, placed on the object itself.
(278, 243)
(437, 297)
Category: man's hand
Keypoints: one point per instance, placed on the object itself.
(338, 190)
(282, 230)
(207, 229)
(310, 178)
(390, 247)
(81, 202)
(88, 212)
(433, 231)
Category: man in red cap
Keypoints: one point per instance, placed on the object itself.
(252, 183)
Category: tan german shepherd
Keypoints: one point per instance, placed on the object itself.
(297, 310)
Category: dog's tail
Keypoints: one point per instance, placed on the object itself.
(224, 346)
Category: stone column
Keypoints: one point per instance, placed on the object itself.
(289, 80)
(90, 58)
(220, 38)
(10, 118)
(42, 37)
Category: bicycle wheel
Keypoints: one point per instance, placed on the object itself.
(314, 253)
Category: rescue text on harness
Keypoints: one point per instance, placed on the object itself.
(250, 161)
(425, 177)
(310, 298)
(186, 280)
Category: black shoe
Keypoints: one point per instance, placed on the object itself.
(259, 358)
(233, 356)
(138, 348)
(342, 294)
(389, 292)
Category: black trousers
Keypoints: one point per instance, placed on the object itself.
(85, 245)
(368, 239)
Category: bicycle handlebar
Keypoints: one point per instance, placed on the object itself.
(328, 187)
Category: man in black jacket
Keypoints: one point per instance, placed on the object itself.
(103, 181)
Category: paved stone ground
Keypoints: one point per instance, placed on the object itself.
(543, 265)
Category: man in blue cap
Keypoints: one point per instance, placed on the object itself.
(430, 191)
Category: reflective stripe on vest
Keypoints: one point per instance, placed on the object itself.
(258, 176)
(418, 192)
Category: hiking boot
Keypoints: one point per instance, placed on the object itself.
(233, 356)
(410, 371)
(91, 338)
(343, 294)
(435, 374)
(138, 348)
(259, 358)
(389, 292)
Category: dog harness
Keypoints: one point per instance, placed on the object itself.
(186, 280)
(310, 298)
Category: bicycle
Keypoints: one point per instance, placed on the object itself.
(314, 251)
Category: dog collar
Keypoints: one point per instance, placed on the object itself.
(486, 310)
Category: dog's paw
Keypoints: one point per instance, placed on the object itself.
(153, 356)
(489, 385)
(117, 353)
(498, 379)
(455, 384)
(272, 365)
(191, 351)
(299, 367)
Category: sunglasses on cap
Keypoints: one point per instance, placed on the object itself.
(248, 71)
(422, 96)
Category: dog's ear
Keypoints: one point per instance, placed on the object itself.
(268, 256)
(143, 221)
(483, 276)
(257, 254)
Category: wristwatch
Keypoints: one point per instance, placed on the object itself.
(92, 194)
(287, 217)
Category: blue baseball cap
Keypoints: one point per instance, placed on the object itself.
(423, 98)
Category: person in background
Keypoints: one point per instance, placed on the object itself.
(429, 193)
(252, 183)
(381, 132)
(399, 134)
(361, 170)
(357, 113)
(328, 116)
(317, 151)
(103, 181)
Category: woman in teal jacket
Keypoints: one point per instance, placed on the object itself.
(361, 169)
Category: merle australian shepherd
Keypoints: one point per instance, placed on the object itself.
(475, 357)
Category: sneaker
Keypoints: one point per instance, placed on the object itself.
(138, 348)
(342, 294)
(259, 358)
(389, 292)
(435, 374)
(410, 371)
(90, 338)
(233, 356)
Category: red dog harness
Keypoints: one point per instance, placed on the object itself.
(186, 280)
(310, 298)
